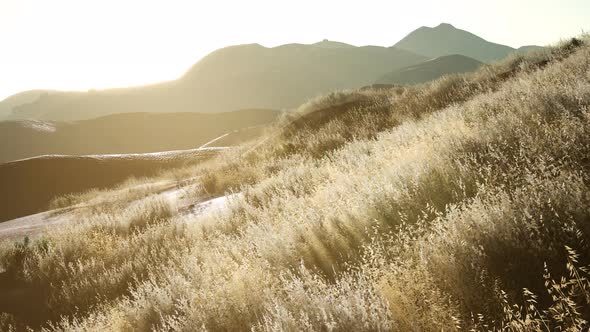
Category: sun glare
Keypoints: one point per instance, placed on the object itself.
(80, 45)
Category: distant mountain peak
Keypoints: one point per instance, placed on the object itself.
(445, 26)
(332, 44)
(445, 39)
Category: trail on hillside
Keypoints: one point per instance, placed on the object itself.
(34, 225)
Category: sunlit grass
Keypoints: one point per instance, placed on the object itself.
(449, 205)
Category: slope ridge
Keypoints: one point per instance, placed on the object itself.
(431, 70)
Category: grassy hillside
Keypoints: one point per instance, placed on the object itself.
(125, 133)
(30, 185)
(430, 70)
(459, 204)
(255, 77)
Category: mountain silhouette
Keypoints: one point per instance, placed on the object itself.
(445, 39)
(232, 78)
(253, 76)
(431, 70)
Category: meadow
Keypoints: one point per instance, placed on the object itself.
(458, 204)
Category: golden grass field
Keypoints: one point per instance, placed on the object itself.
(459, 204)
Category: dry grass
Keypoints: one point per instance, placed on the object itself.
(450, 205)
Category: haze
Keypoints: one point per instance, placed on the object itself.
(80, 45)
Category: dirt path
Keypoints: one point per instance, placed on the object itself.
(36, 224)
(214, 140)
(33, 225)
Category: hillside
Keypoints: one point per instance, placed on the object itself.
(431, 70)
(459, 204)
(445, 39)
(18, 99)
(252, 75)
(29, 185)
(126, 133)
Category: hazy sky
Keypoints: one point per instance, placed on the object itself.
(82, 44)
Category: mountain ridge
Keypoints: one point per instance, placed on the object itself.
(255, 76)
(280, 77)
(445, 39)
(431, 70)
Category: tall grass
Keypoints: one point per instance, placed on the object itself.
(460, 204)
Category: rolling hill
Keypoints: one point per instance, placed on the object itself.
(29, 185)
(445, 39)
(431, 70)
(126, 133)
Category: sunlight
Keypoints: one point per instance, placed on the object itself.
(276, 166)
(81, 45)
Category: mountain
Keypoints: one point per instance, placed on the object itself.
(445, 39)
(127, 133)
(254, 76)
(236, 77)
(431, 70)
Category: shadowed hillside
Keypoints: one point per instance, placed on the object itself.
(460, 204)
(236, 77)
(445, 39)
(431, 70)
(29, 185)
(125, 133)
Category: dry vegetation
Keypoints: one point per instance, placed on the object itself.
(127, 191)
(459, 204)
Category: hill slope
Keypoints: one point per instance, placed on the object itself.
(29, 185)
(124, 133)
(25, 97)
(431, 70)
(445, 39)
(237, 77)
(458, 203)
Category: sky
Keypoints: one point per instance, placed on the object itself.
(83, 44)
